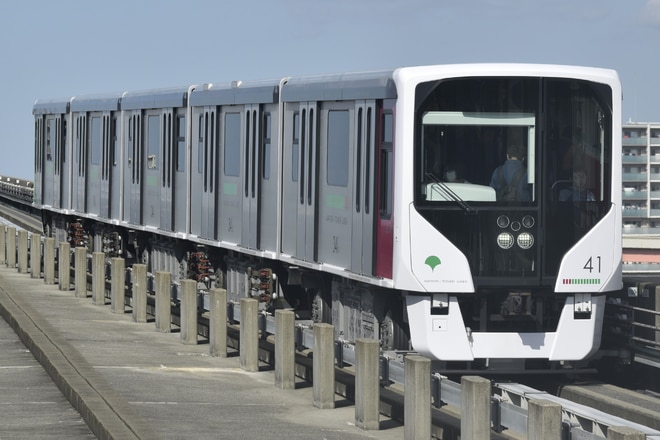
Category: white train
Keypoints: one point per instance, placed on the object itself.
(366, 200)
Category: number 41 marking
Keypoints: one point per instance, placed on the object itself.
(589, 265)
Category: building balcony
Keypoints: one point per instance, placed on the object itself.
(629, 212)
(635, 177)
(635, 195)
(655, 158)
(635, 159)
(655, 212)
(643, 140)
(655, 194)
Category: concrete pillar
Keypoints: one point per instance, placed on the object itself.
(3, 244)
(163, 302)
(624, 433)
(11, 247)
(118, 285)
(285, 349)
(475, 408)
(22, 251)
(64, 266)
(544, 420)
(35, 255)
(218, 322)
(98, 278)
(249, 338)
(49, 260)
(323, 366)
(417, 398)
(81, 272)
(367, 384)
(189, 312)
(139, 292)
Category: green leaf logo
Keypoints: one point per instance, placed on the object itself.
(432, 262)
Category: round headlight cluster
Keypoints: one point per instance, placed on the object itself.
(505, 240)
(525, 239)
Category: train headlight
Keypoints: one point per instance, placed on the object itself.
(525, 240)
(503, 221)
(505, 240)
(528, 221)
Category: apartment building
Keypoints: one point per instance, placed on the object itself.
(641, 197)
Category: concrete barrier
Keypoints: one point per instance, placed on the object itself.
(64, 266)
(118, 285)
(218, 322)
(285, 349)
(35, 256)
(98, 278)
(189, 312)
(81, 272)
(323, 366)
(139, 292)
(249, 337)
(163, 302)
(417, 398)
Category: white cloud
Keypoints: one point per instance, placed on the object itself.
(652, 12)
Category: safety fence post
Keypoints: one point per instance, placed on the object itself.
(249, 337)
(367, 384)
(64, 266)
(163, 302)
(417, 398)
(49, 260)
(3, 244)
(218, 322)
(139, 292)
(475, 408)
(189, 312)
(35, 255)
(543, 420)
(117, 285)
(323, 366)
(285, 349)
(22, 251)
(81, 271)
(11, 247)
(98, 278)
(624, 433)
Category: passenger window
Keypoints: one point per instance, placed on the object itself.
(232, 144)
(338, 147)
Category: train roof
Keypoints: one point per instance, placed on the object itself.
(236, 92)
(51, 106)
(91, 103)
(171, 97)
(360, 85)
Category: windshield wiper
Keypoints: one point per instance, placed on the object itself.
(447, 193)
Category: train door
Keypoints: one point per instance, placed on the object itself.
(232, 163)
(363, 187)
(104, 182)
(268, 173)
(94, 147)
(151, 168)
(250, 232)
(80, 163)
(306, 238)
(180, 157)
(134, 159)
(115, 169)
(290, 177)
(39, 173)
(203, 169)
(166, 175)
(336, 178)
(52, 160)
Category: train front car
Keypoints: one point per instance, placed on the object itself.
(510, 264)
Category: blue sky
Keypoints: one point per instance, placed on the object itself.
(54, 49)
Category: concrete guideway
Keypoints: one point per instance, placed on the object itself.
(130, 381)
